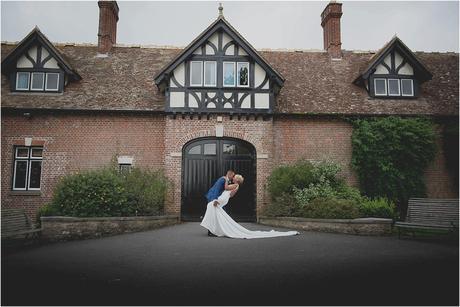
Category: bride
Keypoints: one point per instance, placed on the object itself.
(217, 221)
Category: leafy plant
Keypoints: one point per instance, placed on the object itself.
(330, 208)
(378, 207)
(390, 155)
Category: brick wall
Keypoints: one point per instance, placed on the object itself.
(314, 139)
(78, 142)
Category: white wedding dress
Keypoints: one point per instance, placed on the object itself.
(217, 221)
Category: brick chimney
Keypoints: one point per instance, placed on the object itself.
(330, 21)
(108, 18)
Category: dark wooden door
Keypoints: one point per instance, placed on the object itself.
(205, 161)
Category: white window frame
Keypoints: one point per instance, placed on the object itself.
(191, 66)
(32, 81)
(375, 87)
(237, 73)
(412, 87)
(46, 82)
(16, 159)
(17, 80)
(29, 172)
(215, 73)
(399, 87)
(29, 159)
(234, 74)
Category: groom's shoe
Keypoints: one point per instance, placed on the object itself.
(211, 234)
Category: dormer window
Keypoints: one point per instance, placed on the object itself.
(36, 66)
(393, 72)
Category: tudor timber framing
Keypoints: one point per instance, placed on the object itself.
(237, 94)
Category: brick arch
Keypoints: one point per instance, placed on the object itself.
(178, 146)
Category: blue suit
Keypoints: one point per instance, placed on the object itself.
(217, 189)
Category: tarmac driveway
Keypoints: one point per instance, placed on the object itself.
(181, 265)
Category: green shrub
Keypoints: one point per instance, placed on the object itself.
(284, 205)
(378, 207)
(284, 179)
(105, 192)
(146, 191)
(330, 208)
(390, 156)
(91, 193)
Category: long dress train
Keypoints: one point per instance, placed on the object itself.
(221, 224)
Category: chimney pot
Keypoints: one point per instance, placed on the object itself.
(330, 21)
(108, 18)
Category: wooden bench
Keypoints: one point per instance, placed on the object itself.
(16, 223)
(426, 213)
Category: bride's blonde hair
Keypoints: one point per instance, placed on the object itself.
(238, 178)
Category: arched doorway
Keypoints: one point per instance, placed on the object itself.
(204, 160)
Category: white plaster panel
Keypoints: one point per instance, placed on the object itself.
(225, 39)
(211, 105)
(228, 105)
(387, 60)
(177, 99)
(197, 51)
(227, 95)
(406, 70)
(179, 74)
(262, 101)
(382, 70)
(24, 62)
(33, 53)
(211, 94)
(242, 52)
(45, 53)
(398, 59)
(259, 75)
(214, 39)
(192, 102)
(209, 49)
(51, 63)
(230, 50)
(246, 104)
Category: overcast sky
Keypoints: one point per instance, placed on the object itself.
(366, 25)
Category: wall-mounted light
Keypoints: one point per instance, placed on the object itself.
(27, 114)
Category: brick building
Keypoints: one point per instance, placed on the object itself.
(195, 112)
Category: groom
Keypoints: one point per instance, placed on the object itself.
(219, 186)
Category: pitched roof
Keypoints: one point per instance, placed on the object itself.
(219, 23)
(36, 36)
(314, 84)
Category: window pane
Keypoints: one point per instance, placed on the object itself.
(35, 174)
(243, 150)
(229, 149)
(229, 74)
(243, 74)
(124, 168)
(210, 73)
(393, 87)
(37, 152)
(195, 150)
(52, 81)
(20, 173)
(37, 80)
(210, 149)
(22, 152)
(196, 73)
(22, 81)
(380, 87)
(407, 87)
